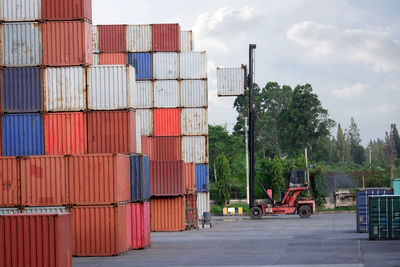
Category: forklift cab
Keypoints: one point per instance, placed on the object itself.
(298, 178)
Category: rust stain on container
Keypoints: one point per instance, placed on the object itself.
(190, 178)
(9, 182)
(148, 146)
(167, 178)
(167, 122)
(167, 148)
(168, 214)
(112, 38)
(166, 37)
(67, 9)
(112, 59)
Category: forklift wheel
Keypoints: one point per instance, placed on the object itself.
(304, 212)
(255, 213)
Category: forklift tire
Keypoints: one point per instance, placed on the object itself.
(304, 211)
(256, 213)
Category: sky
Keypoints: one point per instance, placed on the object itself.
(349, 51)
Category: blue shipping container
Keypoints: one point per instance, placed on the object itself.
(362, 205)
(140, 178)
(22, 134)
(143, 63)
(21, 90)
(202, 182)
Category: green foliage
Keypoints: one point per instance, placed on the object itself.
(396, 138)
(278, 181)
(319, 188)
(353, 138)
(342, 148)
(216, 209)
(223, 180)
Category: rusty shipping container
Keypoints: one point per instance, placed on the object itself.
(44, 181)
(139, 38)
(67, 9)
(148, 146)
(9, 179)
(167, 148)
(190, 178)
(36, 240)
(167, 178)
(112, 59)
(165, 66)
(203, 204)
(168, 214)
(65, 133)
(140, 225)
(20, 10)
(166, 94)
(100, 230)
(186, 41)
(146, 121)
(112, 38)
(194, 121)
(166, 37)
(230, 81)
(194, 149)
(167, 122)
(95, 39)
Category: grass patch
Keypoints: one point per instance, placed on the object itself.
(217, 209)
(349, 208)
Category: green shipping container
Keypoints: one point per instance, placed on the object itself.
(384, 217)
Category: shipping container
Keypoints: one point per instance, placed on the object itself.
(111, 87)
(362, 205)
(21, 90)
(8, 211)
(140, 223)
(230, 81)
(96, 59)
(191, 212)
(203, 204)
(139, 38)
(148, 146)
(65, 133)
(10, 181)
(186, 41)
(146, 121)
(138, 136)
(65, 89)
(21, 44)
(190, 178)
(67, 9)
(194, 121)
(143, 64)
(99, 179)
(194, 149)
(144, 94)
(95, 39)
(384, 219)
(167, 178)
(167, 122)
(112, 59)
(20, 10)
(193, 65)
(112, 38)
(166, 94)
(44, 181)
(112, 132)
(44, 210)
(166, 66)
(168, 214)
(194, 93)
(140, 178)
(22, 134)
(166, 37)
(36, 240)
(67, 43)
(202, 180)
(100, 230)
(167, 148)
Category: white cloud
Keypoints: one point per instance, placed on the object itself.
(357, 89)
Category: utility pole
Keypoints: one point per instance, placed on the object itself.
(246, 138)
(251, 122)
(370, 152)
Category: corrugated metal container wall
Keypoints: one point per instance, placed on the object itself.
(96, 59)
(146, 175)
(148, 146)
(36, 240)
(384, 217)
(143, 63)
(166, 94)
(167, 214)
(146, 224)
(112, 132)
(191, 212)
(165, 66)
(65, 133)
(100, 230)
(194, 93)
(146, 120)
(20, 10)
(140, 218)
(167, 148)
(202, 182)
(111, 87)
(67, 43)
(167, 178)
(194, 121)
(186, 41)
(8, 211)
(194, 149)
(166, 37)
(203, 204)
(140, 178)
(9, 178)
(65, 89)
(139, 38)
(167, 122)
(144, 94)
(112, 59)
(21, 90)
(45, 210)
(67, 9)
(99, 179)
(230, 81)
(44, 181)
(193, 65)
(22, 134)
(362, 205)
(21, 44)
(138, 136)
(95, 39)
(112, 38)
(190, 178)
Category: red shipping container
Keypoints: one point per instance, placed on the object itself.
(112, 59)
(166, 37)
(148, 146)
(67, 9)
(67, 43)
(65, 133)
(9, 179)
(167, 122)
(99, 179)
(112, 38)
(44, 181)
(167, 178)
(167, 148)
(112, 132)
(100, 230)
(36, 240)
(168, 214)
(140, 225)
(190, 178)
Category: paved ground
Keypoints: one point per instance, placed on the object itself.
(322, 240)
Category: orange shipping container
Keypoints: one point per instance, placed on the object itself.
(167, 148)
(167, 122)
(67, 9)
(112, 59)
(112, 38)
(9, 179)
(168, 214)
(190, 178)
(148, 146)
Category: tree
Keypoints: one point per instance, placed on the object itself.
(396, 138)
(278, 181)
(375, 147)
(343, 150)
(389, 149)
(357, 152)
(223, 180)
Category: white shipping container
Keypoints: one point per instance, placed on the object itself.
(194, 93)
(146, 121)
(194, 149)
(203, 204)
(65, 89)
(42, 210)
(166, 65)
(230, 81)
(193, 65)
(96, 59)
(111, 87)
(20, 10)
(139, 38)
(166, 94)
(186, 41)
(21, 44)
(144, 94)
(194, 121)
(95, 39)
(8, 211)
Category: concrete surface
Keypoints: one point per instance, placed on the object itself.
(322, 240)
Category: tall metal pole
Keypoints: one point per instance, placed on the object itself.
(246, 129)
(251, 122)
